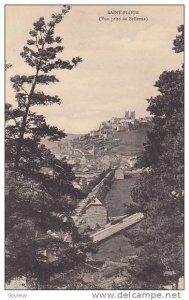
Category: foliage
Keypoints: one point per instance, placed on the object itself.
(41, 54)
(159, 192)
(41, 237)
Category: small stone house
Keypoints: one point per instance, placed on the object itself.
(120, 127)
(95, 214)
(119, 174)
(94, 133)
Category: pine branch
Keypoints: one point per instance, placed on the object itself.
(43, 58)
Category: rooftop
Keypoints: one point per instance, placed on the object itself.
(94, 201)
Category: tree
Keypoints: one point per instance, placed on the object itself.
(159, 192)
(7, 66)
(41, 54)
(41, 237)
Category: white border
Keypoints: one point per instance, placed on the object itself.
(88, 294)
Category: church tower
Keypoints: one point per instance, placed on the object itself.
(132, 115)
(127, 114)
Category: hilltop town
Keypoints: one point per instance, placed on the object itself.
(102, 209)
(99, 157)
(116, 144)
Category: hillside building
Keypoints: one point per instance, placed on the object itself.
(95, 214)
(120, 127)
(119, 174)
(130, 115)
(104, 125)
(94, 133)
(118, 124)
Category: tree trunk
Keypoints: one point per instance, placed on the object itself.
(20, 140)
(24, 121)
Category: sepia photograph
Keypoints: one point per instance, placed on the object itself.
(94, 147)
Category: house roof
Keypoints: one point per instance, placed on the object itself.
(45, 170)
(94, 202)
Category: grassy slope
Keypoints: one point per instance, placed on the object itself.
(124, 142)
(118, 247)
(130, 142)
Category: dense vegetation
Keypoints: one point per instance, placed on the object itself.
(41, 237)
(159, 193)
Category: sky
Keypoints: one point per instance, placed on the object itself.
(122, 59)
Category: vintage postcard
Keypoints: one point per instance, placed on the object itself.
(94, 148)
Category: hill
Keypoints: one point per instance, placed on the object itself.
(62, 147)
(126, 142)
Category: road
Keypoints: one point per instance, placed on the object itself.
(116, 228)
